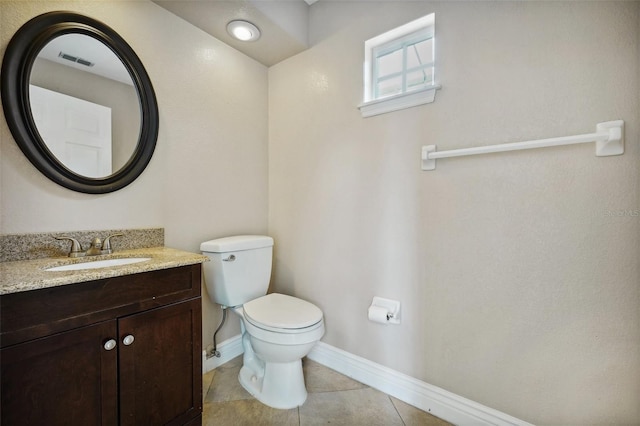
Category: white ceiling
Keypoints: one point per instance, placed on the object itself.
(283, 24)
(105, 62)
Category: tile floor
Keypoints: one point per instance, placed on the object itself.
(333, 399)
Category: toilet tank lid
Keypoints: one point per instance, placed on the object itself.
(236, 243)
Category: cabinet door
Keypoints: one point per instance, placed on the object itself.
(161, 365)
(64, 379)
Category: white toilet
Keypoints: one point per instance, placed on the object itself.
(277, 330)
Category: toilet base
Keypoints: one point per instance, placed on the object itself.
(281, 385)
(272, 372)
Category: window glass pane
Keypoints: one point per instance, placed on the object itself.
(419, 79)
(401, 60)
(420, 53)
(389, 87)
(390, 63)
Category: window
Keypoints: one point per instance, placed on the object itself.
(399, 68)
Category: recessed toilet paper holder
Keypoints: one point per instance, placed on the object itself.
(384, 311)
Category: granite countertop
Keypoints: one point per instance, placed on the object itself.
(25, 275)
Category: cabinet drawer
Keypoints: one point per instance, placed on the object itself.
(37, 313)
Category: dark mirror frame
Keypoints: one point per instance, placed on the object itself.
(16, 70)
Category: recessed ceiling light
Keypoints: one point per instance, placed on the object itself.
(243, 30)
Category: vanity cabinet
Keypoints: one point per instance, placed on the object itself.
(117, 351)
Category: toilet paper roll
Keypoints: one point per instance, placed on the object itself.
(378, 314)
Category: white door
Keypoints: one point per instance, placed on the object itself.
(77, 132)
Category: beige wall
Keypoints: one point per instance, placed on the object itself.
(208, 176)
(518, 280)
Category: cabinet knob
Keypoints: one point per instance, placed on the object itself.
(110, 344)
(128, 339)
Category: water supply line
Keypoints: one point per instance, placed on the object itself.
(215, 352)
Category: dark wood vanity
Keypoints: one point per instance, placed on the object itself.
(124, 350)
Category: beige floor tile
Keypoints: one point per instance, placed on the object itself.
(207, 379)
(333, 399)
(349, 408)
(412, 416)
(248, 412)
(319, 378)
(225, 386)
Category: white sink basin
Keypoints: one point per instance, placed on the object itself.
(98, 264)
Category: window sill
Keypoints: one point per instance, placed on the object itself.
(398, 102)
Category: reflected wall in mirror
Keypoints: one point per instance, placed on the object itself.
(79, 102)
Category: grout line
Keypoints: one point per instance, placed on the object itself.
(396, 408)
(204, 394)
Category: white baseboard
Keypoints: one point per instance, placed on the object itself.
(439, 402)
(229, 349)
(432, 399)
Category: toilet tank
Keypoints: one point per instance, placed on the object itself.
(239, 268)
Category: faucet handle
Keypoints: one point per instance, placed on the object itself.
(76, 247)
(106, 244)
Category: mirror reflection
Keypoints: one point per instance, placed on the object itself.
(85, 105)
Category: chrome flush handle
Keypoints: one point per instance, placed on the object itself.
(231, 258)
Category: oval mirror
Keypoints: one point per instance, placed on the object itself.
(79, 102)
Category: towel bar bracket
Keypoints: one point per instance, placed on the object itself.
(609, 139)
(614, 145)
(427, 163)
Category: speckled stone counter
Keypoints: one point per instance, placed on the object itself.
(44, 245)
(25, 275)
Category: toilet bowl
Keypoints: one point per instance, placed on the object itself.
(273, 351)
(277, 330)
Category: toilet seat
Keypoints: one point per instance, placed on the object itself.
(282, 314)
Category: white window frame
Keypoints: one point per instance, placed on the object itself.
(392, 40)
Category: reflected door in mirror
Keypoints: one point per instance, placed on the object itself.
(78, 133)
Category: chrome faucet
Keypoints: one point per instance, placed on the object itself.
(96, 248)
